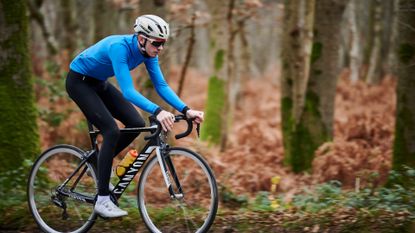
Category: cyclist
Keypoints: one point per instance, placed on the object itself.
(101, 102)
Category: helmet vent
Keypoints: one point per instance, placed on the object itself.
(161, 30)
(146, 30)
(149, 28)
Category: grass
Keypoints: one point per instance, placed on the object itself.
(326, 208)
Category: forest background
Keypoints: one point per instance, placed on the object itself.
(310, 117)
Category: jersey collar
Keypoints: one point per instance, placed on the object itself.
(137, 49)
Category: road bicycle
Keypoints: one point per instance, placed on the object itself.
(176, 191)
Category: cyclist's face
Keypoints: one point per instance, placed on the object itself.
(153, 46)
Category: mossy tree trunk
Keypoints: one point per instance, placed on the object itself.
(212, 127)
(315, 124)
(404, 145)
(297, 41)
(19, 132)
(215, 127)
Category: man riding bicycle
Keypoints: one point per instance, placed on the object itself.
(87, 84)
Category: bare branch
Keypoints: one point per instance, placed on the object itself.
(406, 25)
(36, 15)
(188, 55)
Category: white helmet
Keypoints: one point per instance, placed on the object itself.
(152, 25)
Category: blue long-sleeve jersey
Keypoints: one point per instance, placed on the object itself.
(117, 55)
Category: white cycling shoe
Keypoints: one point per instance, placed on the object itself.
(108, 209)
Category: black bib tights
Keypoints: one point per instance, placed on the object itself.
(101, 102)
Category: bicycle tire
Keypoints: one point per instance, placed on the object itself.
(196, 212)
(49, 171)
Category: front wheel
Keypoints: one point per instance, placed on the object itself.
(57, 207)
(195, 206)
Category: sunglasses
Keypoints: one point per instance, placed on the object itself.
(155, 43)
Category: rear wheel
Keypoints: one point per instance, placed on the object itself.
(51, 205)
(193, 209)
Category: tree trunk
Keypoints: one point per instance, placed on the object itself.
(246, 59)
(189, 51)
(214, 128)
(389, 36)
(19, 137)
(315, 125)
(86, 22)
(211, 128)
(245, 63)
(297, 41)
(367, 30)
(69, 27)
(374, 66)
(231, 81)
(404, 145)
(354, 53)
(100, 20)
(39, 18)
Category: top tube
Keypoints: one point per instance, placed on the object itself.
(130, 130)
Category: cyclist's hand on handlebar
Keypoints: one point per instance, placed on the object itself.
(166, 120)
(198, 115)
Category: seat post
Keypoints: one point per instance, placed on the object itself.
(92, 135)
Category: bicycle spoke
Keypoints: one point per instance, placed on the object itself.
(186, 216)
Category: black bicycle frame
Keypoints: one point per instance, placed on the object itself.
(153, 143)
(133, 168)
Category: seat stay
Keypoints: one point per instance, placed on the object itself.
(79, 178)
(61, 190)
(83, 161)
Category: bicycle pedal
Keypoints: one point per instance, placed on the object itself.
(107, 218)
(104, 218)
(65, 215)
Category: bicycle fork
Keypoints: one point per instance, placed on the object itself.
(168, 170)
